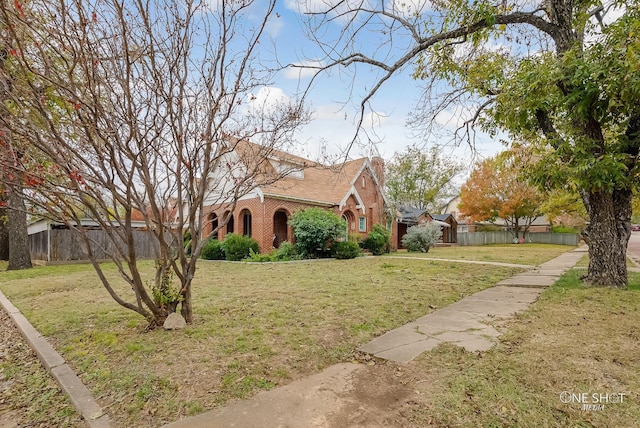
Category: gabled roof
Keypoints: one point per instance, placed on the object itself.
(409, 214)
(304, 179)
(443, 217)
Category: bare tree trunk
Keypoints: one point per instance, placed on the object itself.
(187, 308)
(4, 235)
(608, 231)
(19, 256)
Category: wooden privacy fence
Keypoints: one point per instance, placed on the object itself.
(487, 238)
(59, 245)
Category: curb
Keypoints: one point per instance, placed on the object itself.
(69, 382)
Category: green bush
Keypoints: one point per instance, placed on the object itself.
(238, 247)
(287, 251)
(260, 258)
(421, 237)
(345, 250)
(213, 250)
(315, 229)
(378, 241)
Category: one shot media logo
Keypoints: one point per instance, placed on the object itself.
(592, 401)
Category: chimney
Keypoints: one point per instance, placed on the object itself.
(378, 167)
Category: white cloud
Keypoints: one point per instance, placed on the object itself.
(455, 118)
(302, 69)
(274, 26)
(267, 99)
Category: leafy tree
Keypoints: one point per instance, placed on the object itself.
(636, 209)
(128, 108)
(315, 229)
(496, 189)
(564, 206)
(560, 74)
(420, 178)
(421, 237)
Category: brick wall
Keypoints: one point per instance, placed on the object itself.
(262, 214)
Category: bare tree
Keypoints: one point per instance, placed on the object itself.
(132, 108)
(560, 74)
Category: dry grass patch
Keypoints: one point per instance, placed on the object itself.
(257, 326)
(525, 254)
(574, 339)
(29, 397)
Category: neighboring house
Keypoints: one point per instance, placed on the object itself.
(539, 224)
(410, 216)
(449, 227)
(353, 190)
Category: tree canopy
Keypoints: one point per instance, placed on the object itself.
(558, 74)
(421, 178)
(496, 190)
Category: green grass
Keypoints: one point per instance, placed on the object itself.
(525, 254)
(256, 326)
(574, 339)
(26, 389)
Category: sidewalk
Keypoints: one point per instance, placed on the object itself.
(309, 402)
(465, 322)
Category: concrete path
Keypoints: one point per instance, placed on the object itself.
(466, 322)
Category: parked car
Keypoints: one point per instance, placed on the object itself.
(635, 227)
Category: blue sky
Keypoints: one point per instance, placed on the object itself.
(335, 97)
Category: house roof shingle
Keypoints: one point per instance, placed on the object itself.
(318, 183)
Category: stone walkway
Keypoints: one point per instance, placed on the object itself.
(467, 322)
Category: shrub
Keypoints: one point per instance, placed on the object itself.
(260, 258)
(287, 251)
(345, 250)
(378, 241)
(421, 237)
(315, 229)
(238, 247)
(213, 250)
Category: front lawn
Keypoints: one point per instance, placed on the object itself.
(256, 326)
(524, 254)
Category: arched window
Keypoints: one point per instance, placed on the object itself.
(213, 221)
(229, 222)
(280, 228)
(245, 215)
(350, 219)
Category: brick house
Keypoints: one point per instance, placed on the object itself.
(352, 190)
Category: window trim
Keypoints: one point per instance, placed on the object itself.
(362, 224)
